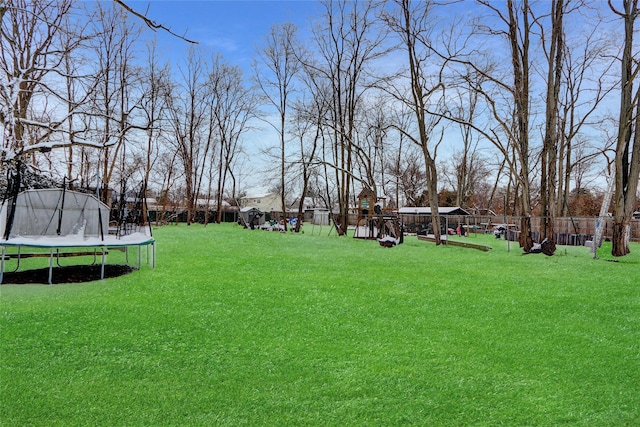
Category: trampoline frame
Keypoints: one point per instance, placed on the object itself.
(99, 246)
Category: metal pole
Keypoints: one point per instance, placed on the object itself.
(61, 211)
(102, 265)
(446, 233)
(50, 264)
(4, 249)
(506, 224)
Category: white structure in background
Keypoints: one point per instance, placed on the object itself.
(266, 202)
(320, 216)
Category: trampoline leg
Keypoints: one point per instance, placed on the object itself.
(19, 251)
(50, 265)
(2, 264)
(102, 266)
(139, 256)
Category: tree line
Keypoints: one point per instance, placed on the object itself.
(506, 100)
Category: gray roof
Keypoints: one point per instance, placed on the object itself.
(426, 210)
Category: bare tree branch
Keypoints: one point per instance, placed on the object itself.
(150, 23)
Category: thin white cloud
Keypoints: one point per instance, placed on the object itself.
(225, 44)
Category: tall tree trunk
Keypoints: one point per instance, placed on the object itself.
(627, 160)
(550, 144)
(519, 41)
(410, 27)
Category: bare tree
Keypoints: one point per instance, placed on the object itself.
(116, 97)
(466, 162)
(414, 26)
(315, 156)
(308, 130)
(467, 174)
(555, 60)
(153, 106)
(275, 80)
(411, 177)
(233, 105)
(518, 35)
(396, 165)
(167, 176)
(35, 38)
(504, 92)
(151, 23)
(346, 43)
(586, 74)
(372, 142)
(627, 158)
(187, 104)
(79, 86)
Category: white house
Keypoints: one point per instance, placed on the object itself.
(266, 202)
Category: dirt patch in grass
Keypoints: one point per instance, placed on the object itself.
(70, 274)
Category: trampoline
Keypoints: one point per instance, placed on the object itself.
(56, 223)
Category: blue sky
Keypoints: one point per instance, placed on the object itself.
(235, 28)
(231, 28)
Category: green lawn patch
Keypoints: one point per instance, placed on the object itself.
(240, 327)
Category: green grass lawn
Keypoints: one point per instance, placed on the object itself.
(240, 327)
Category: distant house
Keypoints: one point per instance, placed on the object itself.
(308, 203)
(266, 202)
(203, 203)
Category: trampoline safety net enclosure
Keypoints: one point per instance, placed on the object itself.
(41, 213)
(55, 219)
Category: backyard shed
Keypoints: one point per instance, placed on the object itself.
(417, 219)
(251, 217)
